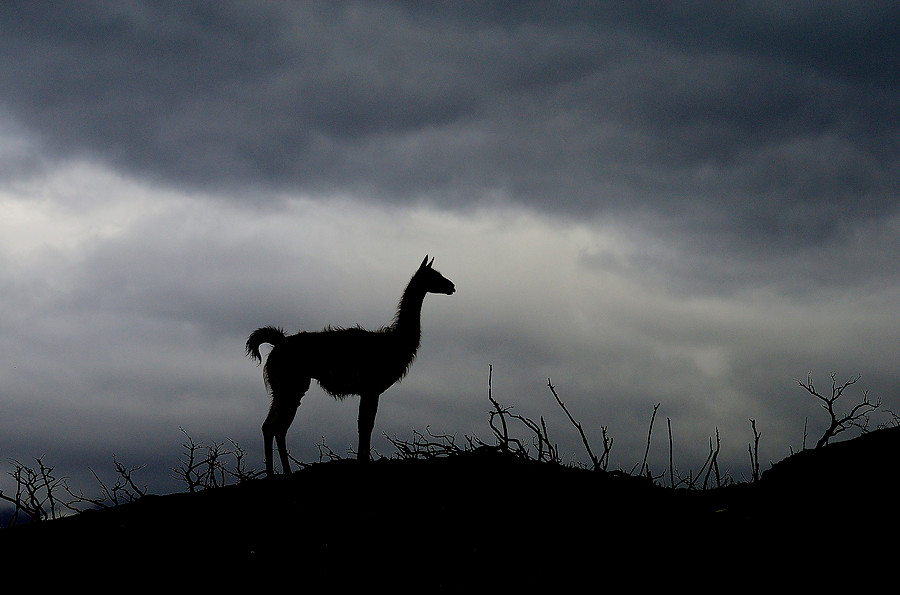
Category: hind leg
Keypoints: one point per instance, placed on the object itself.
(268, 436)
(275, 427)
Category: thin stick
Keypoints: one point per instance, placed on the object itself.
(671, 464)
(577, 425)
(649, 434)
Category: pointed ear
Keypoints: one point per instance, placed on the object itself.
(425, 262)
(431, 263)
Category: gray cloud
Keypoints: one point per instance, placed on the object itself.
(751, 119)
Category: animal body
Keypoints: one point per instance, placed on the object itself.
(344, 361)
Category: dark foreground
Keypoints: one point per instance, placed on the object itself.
(478, 520)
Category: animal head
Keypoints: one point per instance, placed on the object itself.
(433, 281)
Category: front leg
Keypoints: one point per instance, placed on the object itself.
(368, 406)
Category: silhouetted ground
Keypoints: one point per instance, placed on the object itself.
(478, 520)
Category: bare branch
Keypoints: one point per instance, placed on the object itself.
(603, 460)
(856, 417)
(754, 452)
(644, 468)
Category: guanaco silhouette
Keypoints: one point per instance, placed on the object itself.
(344, 361)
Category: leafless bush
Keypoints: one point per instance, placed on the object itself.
(123, 490)
(325, 453)
(546, 451)
(710, 473)
(535, 446)
(35, 496)
(858, 416)
(40, 495)
(427, 445)
(893, 422)
(500, 419)
(206, 466)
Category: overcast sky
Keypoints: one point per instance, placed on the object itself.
(686, 204)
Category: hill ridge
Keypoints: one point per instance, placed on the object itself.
(445, 519)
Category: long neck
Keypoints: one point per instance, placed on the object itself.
(407, 322)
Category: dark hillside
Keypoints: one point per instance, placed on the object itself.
(478, 518)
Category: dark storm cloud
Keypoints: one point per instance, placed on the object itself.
(750, 126)
(193, 92)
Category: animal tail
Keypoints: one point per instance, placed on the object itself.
(266, 334)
